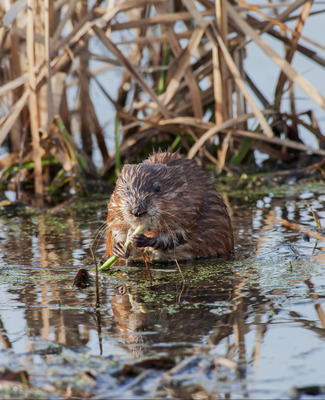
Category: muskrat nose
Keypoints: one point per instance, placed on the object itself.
(138, 211)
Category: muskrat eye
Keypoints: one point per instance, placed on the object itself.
(157, 189)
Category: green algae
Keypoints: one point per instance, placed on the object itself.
(249, 187)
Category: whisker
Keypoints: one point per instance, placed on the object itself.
(99, 234)
(173, 224)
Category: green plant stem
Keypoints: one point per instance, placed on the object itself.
(163, 74)
(108, 263)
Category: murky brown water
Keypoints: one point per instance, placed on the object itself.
(262, 310)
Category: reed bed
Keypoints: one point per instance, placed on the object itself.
(177, 78)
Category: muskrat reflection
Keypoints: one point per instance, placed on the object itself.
(178, 314)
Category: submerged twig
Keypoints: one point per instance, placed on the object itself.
(297, 227)
(180, 271)
(318, 223)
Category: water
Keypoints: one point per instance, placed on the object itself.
(261, 310)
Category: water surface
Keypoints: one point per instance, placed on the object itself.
(249, 326)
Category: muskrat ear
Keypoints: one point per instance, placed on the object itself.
(177, 171)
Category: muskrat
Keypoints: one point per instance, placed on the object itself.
(185, 217)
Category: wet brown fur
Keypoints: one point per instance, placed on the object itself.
(186, 215)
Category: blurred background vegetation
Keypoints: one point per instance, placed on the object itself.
(88, 85)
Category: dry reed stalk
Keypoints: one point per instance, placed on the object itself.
(84, 99)
(63, 22)
(257, 92)
(220, 73)
(40, 56)
(278, 21)
(161, 19)
(293, 110)
(135, 57)
(33, 103)
(267, 130)
(67, 152)
(278, 141)
(222, 154)
(313, 129)
(215, 129)
(61, 150)
(183, 65)
(184, 56)
(13, 84)
(85, 25)
(197, 122)
(300, 48)
(111, 46)
(48, 27)
(16, 70)
(216, 38)
(82, 28)
(226, 362)
(241, 107)
(10, 120)
(290, 72)
(305, 11)
(98, 131)
(283, 16)
(163, 38)
(221, 82)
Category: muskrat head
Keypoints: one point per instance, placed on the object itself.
(142, 190)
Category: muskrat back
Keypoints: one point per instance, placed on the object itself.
(184, 216)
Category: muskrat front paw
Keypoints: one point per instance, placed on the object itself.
(119, 250)
(141, 240)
